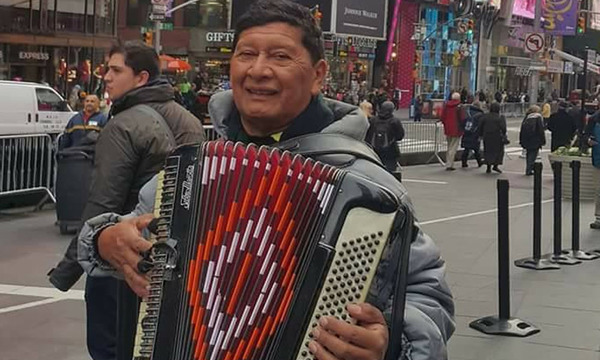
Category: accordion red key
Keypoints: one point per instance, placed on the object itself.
(253, 246)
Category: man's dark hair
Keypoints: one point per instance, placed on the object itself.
(495, 108)
(139, 57)
(265, 12)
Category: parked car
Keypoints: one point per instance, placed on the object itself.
(30, 108)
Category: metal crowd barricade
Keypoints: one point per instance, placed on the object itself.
(211, 134)
(423, 137)
(27, 165)
(420, 137)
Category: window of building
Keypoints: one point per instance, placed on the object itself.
(137, 12)
(208, 14)
(70, 15)
(14, 16)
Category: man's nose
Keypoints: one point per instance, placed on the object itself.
(261, 67)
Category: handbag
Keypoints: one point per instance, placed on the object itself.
(505, 139)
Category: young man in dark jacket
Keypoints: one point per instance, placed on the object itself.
(146, 124)
(274, 99)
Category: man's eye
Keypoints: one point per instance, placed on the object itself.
(281, 56)
(246, 54)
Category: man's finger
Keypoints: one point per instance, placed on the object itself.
(365, 314)
(142, 245)
(366, 338)
(141, 222)
(319, 352)
(339, 348)
(138, 283)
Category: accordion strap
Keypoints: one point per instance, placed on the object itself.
(329, 144)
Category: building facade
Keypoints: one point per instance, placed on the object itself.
(59, 42)
(202, 34)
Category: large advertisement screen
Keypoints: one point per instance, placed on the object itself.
(361, 18)
(525, 8)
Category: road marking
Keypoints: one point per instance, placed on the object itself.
(45, 292)
(29, 305)
(485, 212)
(520, 173)
(425, 181)
(51, 296)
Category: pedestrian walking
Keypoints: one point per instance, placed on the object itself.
(451, 119)
(492, 128)
(385, 130)
(470, 140)
(532, 136)
(562, 126)
(418, 108)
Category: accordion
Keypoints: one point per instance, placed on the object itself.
(253, 245)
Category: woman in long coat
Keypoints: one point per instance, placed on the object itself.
(492, 128)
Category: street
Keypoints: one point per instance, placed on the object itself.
(456, 209)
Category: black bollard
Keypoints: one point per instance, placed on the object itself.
(576, 251)
(503, 324)
(536, 262)
(557, 256)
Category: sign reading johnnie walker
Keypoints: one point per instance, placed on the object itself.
(360, 17)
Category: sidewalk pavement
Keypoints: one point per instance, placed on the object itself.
(455, 208)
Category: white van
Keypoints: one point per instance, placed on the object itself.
(30, 108)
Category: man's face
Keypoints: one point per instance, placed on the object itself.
(91, 104)
(120, 78)
(272, 76)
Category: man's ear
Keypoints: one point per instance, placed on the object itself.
(321, 68)
(142, 78)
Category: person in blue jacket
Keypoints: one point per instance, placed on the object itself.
(592, 134)
(88, 121)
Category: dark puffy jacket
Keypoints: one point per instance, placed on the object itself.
(133, 146)
(533, 139)
(78, 129)
(470, 126)
(385, 121)
(563, 128)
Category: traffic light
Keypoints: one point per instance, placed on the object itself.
(148, 37)
(581, 23)
(470, 26)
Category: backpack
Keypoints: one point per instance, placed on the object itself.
(380, 138)
(529, 127)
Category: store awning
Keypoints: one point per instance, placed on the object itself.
(575, 60)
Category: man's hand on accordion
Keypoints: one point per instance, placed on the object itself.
(337, 340)
(121, 245)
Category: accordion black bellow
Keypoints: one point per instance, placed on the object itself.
(253, 246)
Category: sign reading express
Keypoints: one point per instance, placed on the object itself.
(363, 18)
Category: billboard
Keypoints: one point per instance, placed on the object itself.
(560, 17)
(361, 18)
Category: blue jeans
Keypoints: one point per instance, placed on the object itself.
(530, 160)
(101, 308)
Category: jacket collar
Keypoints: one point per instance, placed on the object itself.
(348, 120)
(159, 91)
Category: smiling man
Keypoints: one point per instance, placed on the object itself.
(277, 69)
